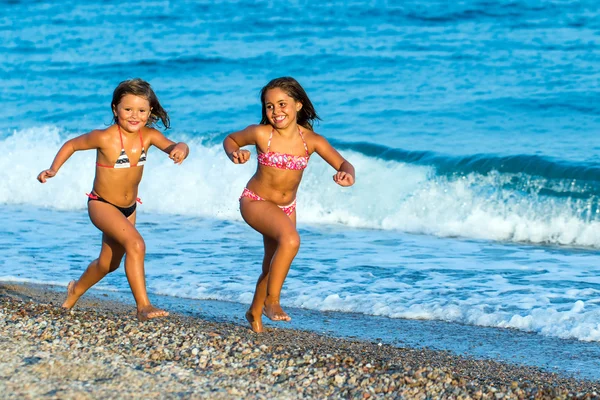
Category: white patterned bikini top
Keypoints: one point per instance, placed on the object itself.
(123, 159)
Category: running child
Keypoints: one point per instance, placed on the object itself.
(284, 141)
(121, 152)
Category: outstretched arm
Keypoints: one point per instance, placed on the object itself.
(236, 140)
(83, 142)
(176, 151)
(345, 175)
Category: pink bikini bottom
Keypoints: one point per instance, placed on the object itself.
(288, 210)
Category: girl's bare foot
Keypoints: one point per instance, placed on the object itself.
(255, 323)
(149, 312)
(274, 312)
(71, 296)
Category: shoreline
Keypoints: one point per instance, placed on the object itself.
(99, 349)
(566, 357)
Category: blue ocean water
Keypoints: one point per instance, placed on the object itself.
(473, 127)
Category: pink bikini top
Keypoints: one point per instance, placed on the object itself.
(123, 160)
(282, 160)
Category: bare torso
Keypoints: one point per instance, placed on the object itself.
(119, 186)
(278, 186)
(274, 184)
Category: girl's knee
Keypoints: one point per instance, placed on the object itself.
(291, 240)
(136, 246)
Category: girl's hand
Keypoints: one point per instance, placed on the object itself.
(343, 179)
(179, 153)
(49, 173)
(240, 156)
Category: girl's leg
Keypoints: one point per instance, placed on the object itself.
(254, 314)
(271, 221)
(121, 230)
(109, 260)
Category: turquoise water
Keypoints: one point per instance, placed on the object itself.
(473, 127)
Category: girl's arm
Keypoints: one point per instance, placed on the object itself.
(234, 141)
(345, 175)
(91, 140)
(176, 151)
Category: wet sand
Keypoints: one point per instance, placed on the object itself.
(100, 350)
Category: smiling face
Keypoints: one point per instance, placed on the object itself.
(281, 109)
(132, 112)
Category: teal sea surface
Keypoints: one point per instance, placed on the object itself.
(473, 127)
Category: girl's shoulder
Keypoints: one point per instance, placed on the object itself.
(316, 142)
(108, 131)
(257, 131)
(149, 131)
(308, 132)
(259, 128)
(311, 137)
(103, 134)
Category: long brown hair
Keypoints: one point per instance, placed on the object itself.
(307, 114)
(141, 88)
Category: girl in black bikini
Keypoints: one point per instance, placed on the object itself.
(120, 158)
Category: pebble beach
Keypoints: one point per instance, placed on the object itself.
(100, 350)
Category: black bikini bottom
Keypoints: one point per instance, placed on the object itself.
(126, 211)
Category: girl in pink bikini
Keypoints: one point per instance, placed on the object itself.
(120, 158)
(284, 141)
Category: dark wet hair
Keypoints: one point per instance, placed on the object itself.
(141, 88)
(307, 113)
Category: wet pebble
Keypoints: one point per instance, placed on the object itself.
(97, 352)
